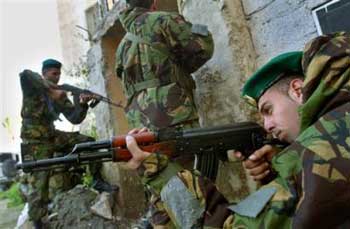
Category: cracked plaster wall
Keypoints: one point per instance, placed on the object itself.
(73, 39)
(219, 81)
(280, 25)
(95, 62)
(129, 206)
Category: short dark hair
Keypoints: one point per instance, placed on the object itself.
(282, 85)
(51, 63)
(140, 3)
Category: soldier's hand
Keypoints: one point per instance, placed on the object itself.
(85, 98)
(138, 155)
(57, 94)
(258, 164)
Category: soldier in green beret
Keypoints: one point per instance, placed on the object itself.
(155, 60)
(304, 99)
(42, 105)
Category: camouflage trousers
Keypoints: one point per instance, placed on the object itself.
(43, 185)
(159, 216)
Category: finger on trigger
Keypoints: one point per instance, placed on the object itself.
(261, 176)
(259, 169)
(133, 131)
(144, 129)
(238, 154)
(260, 153)
(249, 164)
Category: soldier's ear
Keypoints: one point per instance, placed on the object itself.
(295, 91)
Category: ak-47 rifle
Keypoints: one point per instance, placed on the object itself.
(244, 137)
(77, 91)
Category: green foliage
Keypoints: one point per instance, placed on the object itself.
(14, 196)
(93, 131)
(6, 123)
(90, 128)
(79, 70)
(87, 179)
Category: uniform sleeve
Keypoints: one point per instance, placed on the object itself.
(190, 200)
(74, 112)
(32, 82)
(191, 47)
(273, 205)
(324, 118)
(325, 196)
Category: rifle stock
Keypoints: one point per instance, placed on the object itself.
(245, 137)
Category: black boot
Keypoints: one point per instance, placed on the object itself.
(102, 186)
(38, 224)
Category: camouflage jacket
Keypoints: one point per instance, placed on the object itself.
(39, 111)
(155, 66)
(311, 189)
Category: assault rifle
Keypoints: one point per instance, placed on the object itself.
(77, 91)
(244, 137)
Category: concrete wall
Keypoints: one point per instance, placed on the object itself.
(280, 25)
(111, 121)
(95, 63)
(75, 42)
(219, 81)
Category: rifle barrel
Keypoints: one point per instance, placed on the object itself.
(70, 160)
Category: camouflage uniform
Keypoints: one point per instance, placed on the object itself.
(40, 139)
(155, 61)
(156, 66)
(311, 189)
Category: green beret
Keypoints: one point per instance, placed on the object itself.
(270, 73)
(51, 63)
